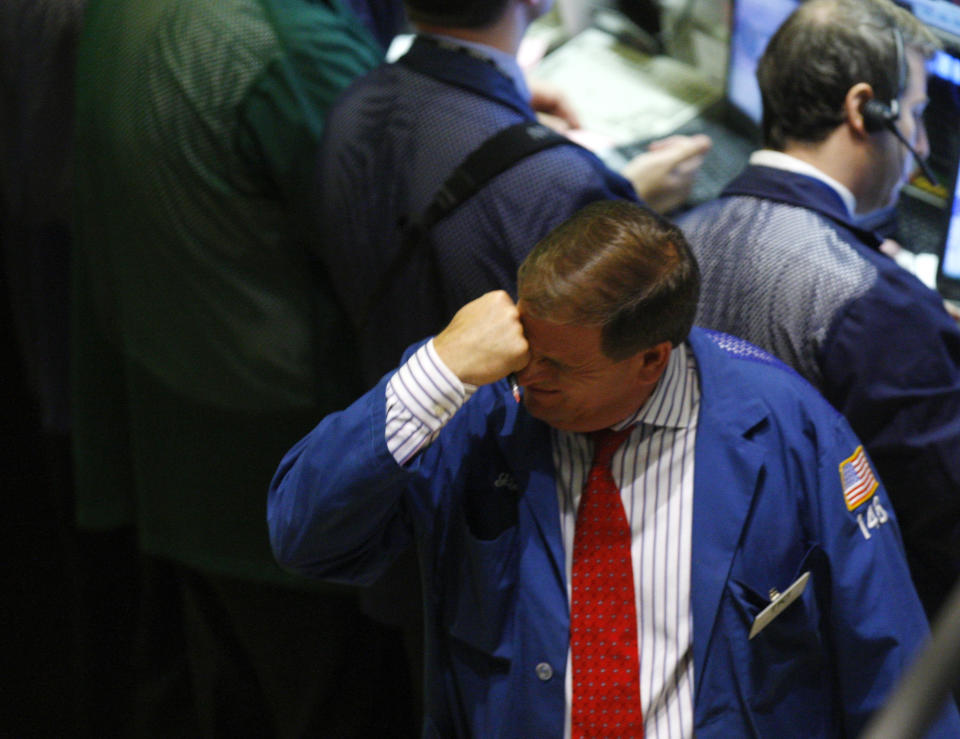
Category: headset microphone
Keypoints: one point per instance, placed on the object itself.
(878, 115)
(923, 165)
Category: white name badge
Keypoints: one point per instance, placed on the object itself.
(778, 604)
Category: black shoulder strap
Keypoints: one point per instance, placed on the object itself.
(495, 155)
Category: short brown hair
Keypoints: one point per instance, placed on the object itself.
(823, 49)
(617, 265)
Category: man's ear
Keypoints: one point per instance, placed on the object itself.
(853, 103)
(653, 361)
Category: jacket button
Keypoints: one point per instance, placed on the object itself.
(544, 671)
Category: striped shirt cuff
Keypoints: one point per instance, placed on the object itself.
(422, 396)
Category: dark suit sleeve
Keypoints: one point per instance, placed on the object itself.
(892, 368)
(874, 620)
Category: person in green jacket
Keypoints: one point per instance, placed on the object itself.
(204, 342)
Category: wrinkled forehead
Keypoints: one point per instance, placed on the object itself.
(563, 341)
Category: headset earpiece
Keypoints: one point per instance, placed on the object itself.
(878, 115)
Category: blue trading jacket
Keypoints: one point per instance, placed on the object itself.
(388, 145)
(768, 507)
(784, 268)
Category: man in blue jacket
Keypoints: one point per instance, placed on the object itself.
(766, 588)
(785, 267)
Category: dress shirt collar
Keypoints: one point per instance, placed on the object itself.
(504, 62)
(669, 405)
(779, 160)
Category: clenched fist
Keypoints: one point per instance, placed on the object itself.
(484, 341)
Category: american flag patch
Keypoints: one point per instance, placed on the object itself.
(857, 479)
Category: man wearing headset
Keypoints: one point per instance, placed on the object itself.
(784, 265)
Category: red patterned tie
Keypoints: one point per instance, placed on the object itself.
(603, 614)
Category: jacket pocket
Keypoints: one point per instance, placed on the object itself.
(789, 650)
(480, 590)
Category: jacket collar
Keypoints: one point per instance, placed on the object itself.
(466, 70)
(793, 188)
(728, 466)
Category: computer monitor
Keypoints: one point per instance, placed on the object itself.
(943, 85)
(752, 25)
(943, 16)
(948, 274)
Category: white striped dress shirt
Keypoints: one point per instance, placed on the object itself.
(654, 471)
